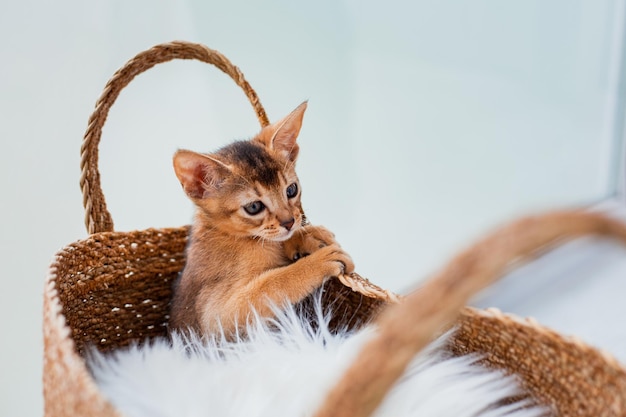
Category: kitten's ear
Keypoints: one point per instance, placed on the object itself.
(199, 174)
(281, 136)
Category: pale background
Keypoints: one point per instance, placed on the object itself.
(428, 123)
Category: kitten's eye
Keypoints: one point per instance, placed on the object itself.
(292, 190)
(254, 208)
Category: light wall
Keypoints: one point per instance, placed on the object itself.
(428, 123)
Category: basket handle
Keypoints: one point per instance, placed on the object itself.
(405, 328)
(97, 217)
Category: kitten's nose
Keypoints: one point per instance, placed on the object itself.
(288, 224)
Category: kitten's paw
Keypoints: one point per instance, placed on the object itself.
(333, 261)
(320, 234)
(307, 240)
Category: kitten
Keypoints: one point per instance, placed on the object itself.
(248, 246)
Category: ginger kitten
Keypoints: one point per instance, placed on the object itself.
(248, 247)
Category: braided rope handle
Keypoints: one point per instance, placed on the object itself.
(405, 328)
(97, 217)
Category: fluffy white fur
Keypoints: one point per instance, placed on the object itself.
(284, 368)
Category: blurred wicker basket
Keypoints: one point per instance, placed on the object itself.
(114, 288)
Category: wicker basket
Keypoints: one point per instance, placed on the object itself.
(114, 288)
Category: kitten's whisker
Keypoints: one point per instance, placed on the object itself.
(289, 165)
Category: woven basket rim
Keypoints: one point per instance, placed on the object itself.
(356, 283)
(512, 319)
(60, 352)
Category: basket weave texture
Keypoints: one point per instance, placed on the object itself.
(114, 288)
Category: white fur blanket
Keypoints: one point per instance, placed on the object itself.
(285, 368)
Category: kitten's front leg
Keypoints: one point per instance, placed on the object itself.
(297, 280)
(290, 283)
(307, 240)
